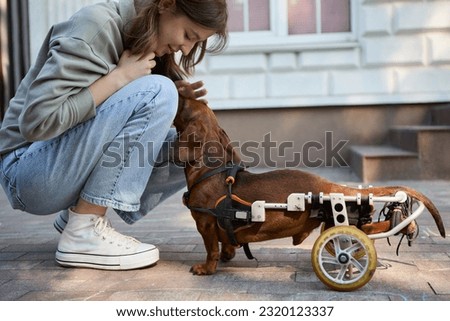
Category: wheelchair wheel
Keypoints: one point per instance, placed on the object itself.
(330, 246)
(353, 262)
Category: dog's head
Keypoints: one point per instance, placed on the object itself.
(200, 138)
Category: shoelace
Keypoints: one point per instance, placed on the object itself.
(103, 228)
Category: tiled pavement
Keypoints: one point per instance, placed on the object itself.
(28, 270)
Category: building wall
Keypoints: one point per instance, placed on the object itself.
(396, 69)
(311, 136)
(391, 72)
(400, 54)
(45, 13)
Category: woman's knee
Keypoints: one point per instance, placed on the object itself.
(165, 93)
(170, 93)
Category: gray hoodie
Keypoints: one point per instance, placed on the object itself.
(54, 96)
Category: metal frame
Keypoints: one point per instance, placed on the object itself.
(298, 201)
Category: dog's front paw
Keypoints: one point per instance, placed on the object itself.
(202, 269)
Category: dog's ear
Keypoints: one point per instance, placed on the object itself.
(188, 146)
(188, 111)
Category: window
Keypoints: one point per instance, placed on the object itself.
(249, 15)
(273, 23)
(318, 16)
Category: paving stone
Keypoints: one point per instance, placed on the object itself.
(283, 272)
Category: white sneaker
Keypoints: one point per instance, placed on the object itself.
(62, 219)
(89, 241)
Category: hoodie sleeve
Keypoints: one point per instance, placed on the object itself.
(59, 98)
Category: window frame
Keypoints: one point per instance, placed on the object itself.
(278, 39)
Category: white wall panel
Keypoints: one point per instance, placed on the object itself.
(400, 53)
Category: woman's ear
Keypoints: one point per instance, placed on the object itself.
(167, 5)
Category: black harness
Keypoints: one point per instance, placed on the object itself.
(230, 211)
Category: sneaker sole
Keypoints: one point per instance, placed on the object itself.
(102, 262)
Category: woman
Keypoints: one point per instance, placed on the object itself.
(90, 125)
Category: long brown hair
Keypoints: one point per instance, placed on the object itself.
(143, 32)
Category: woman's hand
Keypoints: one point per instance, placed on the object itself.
(132, 67)
(129, 68)
(192, 91)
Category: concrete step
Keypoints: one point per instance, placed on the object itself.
(440, 115)
(431, 143)
(379, 163)
(413, 137)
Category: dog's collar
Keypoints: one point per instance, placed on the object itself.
(231, 169)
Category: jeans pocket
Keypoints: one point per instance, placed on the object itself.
(4, 181)
(8, 165)
(14, 199)
(11, 193)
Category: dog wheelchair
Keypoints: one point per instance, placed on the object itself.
(344, 257)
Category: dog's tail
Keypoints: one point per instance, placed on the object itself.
(385, 191)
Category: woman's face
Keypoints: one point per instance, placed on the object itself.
(179, 33)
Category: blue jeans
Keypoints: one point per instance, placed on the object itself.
(121, 158)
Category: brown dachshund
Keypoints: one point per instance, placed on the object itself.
(205, 149)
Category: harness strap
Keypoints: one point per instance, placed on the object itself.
(248, 252)
(228, 228)
(224, 210)
(212, 173)
(232, 174)
(232, 169)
